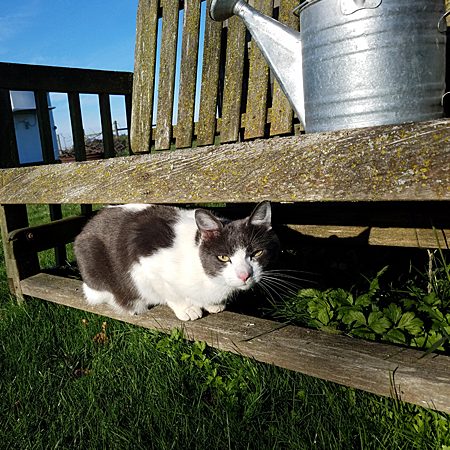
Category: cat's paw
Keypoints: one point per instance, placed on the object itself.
(214, 309)
(188, 313)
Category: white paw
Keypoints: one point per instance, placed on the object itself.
(189, 313)
(214, 309)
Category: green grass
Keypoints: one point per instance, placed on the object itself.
(68, 381)
(63, 387)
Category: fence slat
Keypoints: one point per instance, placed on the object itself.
(45, 130)
(48, 156)
(76, 122)
(12, 217)
(281, 120)
(206, 128)
(144, 75)
(166, 85)
(256, 110)
(234, 68)
(9, 154)
(188, 75)
(107, 133)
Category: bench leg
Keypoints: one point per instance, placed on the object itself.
(19, 265)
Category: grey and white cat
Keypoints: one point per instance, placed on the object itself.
(135, 256)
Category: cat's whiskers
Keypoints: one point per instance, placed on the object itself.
(276, 282)
(267, 289)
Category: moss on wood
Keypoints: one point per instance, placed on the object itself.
(402, 162)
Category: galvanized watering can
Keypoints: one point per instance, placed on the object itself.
(355, 63)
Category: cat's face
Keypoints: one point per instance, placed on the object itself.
(237, 252)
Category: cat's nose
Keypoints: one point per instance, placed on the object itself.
(244, 275)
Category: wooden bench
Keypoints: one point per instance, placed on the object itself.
(386, 185)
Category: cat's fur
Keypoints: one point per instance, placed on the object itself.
(134, 256)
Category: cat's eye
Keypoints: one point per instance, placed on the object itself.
(223, 258)
(257, 254)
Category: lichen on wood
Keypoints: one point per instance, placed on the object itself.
(400, 162)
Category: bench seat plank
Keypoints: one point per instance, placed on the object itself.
(406, 374)
(340, 166)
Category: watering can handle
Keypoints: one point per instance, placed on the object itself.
(347, 6)
(441, 24)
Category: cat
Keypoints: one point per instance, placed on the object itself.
(135, 256)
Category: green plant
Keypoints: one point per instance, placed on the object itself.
(418, 314)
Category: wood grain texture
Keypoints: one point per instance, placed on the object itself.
(166, 85)
(144, 75)
(188, 74)
(386, 236)
(234, 72)
(405, 374)
(206, 126)
(258, 82)
(400, 162)
(42, 237)
(281, 114)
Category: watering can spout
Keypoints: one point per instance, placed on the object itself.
(280, 45)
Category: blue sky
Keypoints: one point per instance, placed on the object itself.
(94, 34)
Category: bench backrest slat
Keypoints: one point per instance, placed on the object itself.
(188, 75)
(76, 121)
(281, 117)
(238, 99)
(144, 75)
(256, 110)
(105, 118)
(9, 153)
(166, 85)
(234, 72)
(206, 127)
(45, 130)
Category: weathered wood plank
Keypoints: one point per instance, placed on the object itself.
(166, 85)
(405, 374)
(234, 72)
(281, 112)
(24, 77)
(45, 130)
(128, 111)
(188, 74)
(48, 156)
(387, 236)
(256, 109)
(107, 131)
(18, 265)
(144, 75)
(42, 237)
(400, 162)
(9, 154)
(206, 126)
(76, 121)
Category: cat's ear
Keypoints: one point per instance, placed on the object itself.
(262, 215)
(208, 225)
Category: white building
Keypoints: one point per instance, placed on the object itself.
(27, 127)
